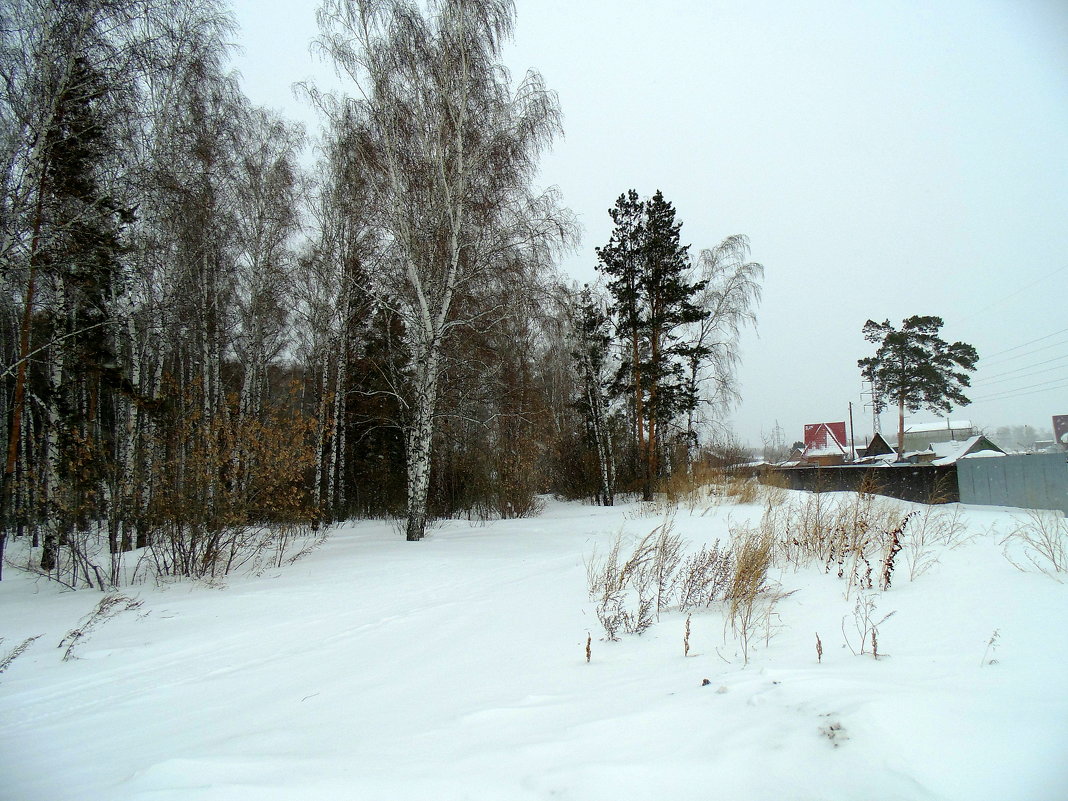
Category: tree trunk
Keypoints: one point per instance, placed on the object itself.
(901, 429)
(420, 440)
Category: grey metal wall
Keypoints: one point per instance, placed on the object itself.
(1030, 481)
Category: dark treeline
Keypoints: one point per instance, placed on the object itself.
(208, 348)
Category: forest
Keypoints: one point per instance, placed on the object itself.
(212, 342)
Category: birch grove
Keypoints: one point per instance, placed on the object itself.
(450, 150)
(212, 348)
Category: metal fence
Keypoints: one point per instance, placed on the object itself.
(919, 483)
(1029, 481)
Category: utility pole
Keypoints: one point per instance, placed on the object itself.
(852, 438)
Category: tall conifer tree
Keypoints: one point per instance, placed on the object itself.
(648, 267)
(915, 368)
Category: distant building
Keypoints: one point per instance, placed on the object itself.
(878, 447)
(1060, 429)
(945, 453)
(825, 444)
(919, 435)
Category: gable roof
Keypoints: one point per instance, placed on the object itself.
(950, 452)
(823, 441)
(878, 446)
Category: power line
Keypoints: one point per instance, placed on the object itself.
(1001, 360)
(1025, 344)
(1047, 373)
(1016, 393)
(1000, 377)
(1001, 300)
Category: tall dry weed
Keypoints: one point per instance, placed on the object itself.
(631, 592)
(750, 597)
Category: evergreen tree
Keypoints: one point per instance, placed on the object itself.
(649, 266)
(669, 298)
(621, 261)
(915, 368)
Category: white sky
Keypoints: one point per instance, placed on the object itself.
(885, 159)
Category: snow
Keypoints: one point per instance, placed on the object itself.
(939, 425)
(951, 452)
(455, 668)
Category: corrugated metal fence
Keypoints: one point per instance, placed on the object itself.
(919, 483)
(1030, 481)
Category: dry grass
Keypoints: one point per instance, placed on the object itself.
(20, 649)
(704, 487)
(704, 577)
(750, 597)
(932, 528)
(632, 593)
(867, 627)
(108, 606)
(1041, 539)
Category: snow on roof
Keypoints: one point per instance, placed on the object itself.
(938, 425)
(831, 448)
(877, 460)
(950, 452)
(823, 442)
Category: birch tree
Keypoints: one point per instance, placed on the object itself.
(592, 337)
(730, 291)
(451, 150)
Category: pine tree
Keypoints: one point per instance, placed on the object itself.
(621, 260)
(653, 301)
(669, 296)
(915, 368)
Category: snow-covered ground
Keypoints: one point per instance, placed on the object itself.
(456, 668)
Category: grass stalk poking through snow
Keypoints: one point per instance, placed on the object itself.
(109, 606)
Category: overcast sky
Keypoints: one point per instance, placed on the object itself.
(885, 159)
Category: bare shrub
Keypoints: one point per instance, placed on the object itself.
(230, 492)
(1042, 539)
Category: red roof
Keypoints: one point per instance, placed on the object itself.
(819, 435)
